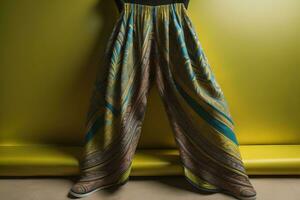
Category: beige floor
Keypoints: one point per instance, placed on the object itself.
(142, 188)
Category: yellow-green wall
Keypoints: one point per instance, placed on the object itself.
(49, 51)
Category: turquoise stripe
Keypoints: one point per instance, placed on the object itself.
(225, 130)
(111, 107)
(97, 124)
(184, 51)
(100, 121)
(224, 115)
(117, 50)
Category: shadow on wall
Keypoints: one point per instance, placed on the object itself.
(108, 13)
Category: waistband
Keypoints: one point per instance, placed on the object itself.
(120, 3)
(156, 2)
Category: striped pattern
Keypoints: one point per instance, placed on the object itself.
(158, 45)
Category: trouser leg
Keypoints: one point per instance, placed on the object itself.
(195, 104)
(118, 104)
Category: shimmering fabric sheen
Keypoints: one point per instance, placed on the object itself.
(159, 45)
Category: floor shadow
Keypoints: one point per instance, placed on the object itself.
(180, 182)
(176, 182)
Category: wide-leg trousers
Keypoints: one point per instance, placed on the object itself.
(159, 45)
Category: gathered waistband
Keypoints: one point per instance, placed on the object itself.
(156, 2)
(120, 3)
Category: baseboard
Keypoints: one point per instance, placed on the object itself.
(53, 160)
